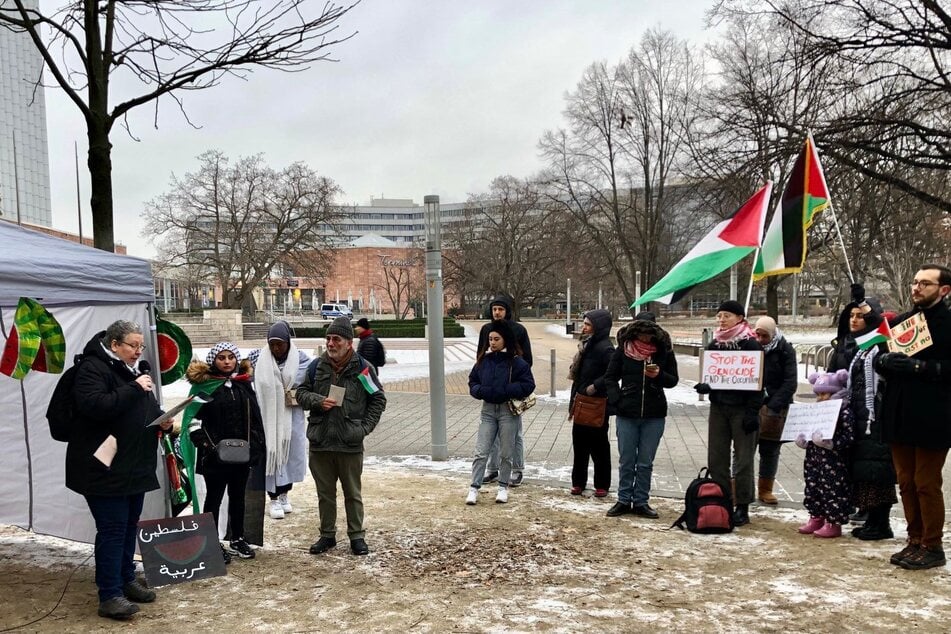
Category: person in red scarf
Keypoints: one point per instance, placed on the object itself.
(734, 414)
(233, 412)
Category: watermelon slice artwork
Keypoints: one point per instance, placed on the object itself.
(174, 351)
(911, 336)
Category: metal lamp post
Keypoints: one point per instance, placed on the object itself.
(437, 374)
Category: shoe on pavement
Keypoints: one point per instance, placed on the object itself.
(810, 527)
(577, 490)
(118, 608)
(135, 591)
(904, 554)
(924, 558)
(491, 476)
(276, 511)
(516, 479)
(322, 545)
(829, 530)
(359, 547)
(645, 510)
(242, 547)
(619, 508)
(502, 496)
(741, 515)
(473, 496)
(858, 517)
(225, 555)
(285, 503)
(600, 493)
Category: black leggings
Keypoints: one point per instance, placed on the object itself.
(236, 481)
(284, 488)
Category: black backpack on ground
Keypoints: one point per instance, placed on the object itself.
(709, 509)
(60, 412)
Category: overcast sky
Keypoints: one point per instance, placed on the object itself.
(429, 97)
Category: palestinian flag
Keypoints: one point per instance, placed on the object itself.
(370, 383)
(806, 194)
(185, 440)
(872, 338)
(36, 342)
(728, 243)
(174, 351)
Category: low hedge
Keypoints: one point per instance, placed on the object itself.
(391, 329)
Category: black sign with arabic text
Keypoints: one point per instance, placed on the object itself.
(180, 549)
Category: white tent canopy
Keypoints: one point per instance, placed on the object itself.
(85, 289)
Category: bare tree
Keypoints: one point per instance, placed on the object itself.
(401, 285)
(163, 46)
(238, 222)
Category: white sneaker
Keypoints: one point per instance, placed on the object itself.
(502, 496)
(285, 503)
(473, 496)
(277, 511)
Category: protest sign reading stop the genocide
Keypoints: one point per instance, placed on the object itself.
(732, 369)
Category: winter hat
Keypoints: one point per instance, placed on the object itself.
(830, 382)
(600, 319)
(218, 347)
(364, 323)
(732, 306)
(341, 326)
(768, 324)
(645, 315)
(280, 330)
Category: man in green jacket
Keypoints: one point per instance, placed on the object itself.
(336, 428)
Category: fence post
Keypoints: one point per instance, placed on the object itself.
(552, 394)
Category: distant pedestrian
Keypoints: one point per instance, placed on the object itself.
(828, 490)
(370, 347)
(587, 377)
(644, 363)
(498, 376)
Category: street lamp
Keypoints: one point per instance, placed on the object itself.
(437, 374)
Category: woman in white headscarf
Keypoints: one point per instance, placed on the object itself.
(279, 369)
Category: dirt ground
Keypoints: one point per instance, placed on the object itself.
(545, 561)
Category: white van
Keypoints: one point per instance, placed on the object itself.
(331, 311)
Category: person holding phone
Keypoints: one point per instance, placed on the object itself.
(641, 367)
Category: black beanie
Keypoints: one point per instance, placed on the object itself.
(732, 306)
(341, 326)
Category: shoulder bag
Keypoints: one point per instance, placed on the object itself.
(589, 410)
(234, 450)
(520, 405)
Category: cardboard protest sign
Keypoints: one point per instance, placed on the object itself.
(732, 369)
(180, 549)
(910, 336)
(806, 418)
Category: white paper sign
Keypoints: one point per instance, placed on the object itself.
(806, 418)
(337, 393)
(732, 369)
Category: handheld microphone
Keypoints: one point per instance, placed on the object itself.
(145, 367)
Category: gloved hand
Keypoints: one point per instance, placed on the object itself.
(858, 293)
(819, 442)
(702, 388)
(899, 363)
(801, 441)
(751, 421)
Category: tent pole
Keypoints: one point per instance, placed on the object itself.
(157, 386)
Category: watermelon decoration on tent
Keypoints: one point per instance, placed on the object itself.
(35, 342)
(174, 351)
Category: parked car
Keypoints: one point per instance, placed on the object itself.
(331, 311)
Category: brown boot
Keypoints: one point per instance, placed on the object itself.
(766, 491)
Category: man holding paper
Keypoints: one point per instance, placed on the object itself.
(916, 417)
(111, 457)
(345, 400)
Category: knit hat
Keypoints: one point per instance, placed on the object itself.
(280, 330)
(364, 323)
(341, 326)
(218, 347)
(768, 324)
(732, 306)
(829, 382)
(645, 315)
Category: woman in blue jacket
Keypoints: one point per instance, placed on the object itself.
(497, 376)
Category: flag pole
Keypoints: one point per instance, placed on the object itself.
(845, 255)
(749, 288)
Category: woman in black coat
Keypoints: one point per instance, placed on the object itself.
(587, 377)
(114, 405)
(645, 364)
(233, 412)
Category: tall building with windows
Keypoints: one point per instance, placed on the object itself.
(25, 174)
(399, 220)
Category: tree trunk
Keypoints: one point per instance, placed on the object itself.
(100, 178)
(772, 297)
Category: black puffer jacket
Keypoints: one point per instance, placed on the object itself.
(779, 375)
(594, 359)
(521, 335)
(371, 349)
(109, 401)
(233, 412)
(638, 396)
(871, 458)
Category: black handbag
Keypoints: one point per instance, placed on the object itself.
(234, 450)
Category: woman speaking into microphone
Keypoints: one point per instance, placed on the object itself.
(111, 457)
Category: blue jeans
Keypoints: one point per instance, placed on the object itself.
(518, 457)
(637, 442)
(497, 421)
(116, 518)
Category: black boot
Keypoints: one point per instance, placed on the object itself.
(877, 526)
(741, 516)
